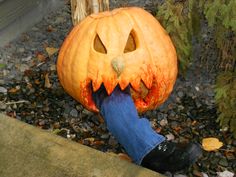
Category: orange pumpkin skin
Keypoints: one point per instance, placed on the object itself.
(126, 46)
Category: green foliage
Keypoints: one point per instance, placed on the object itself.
(226, 100)
(177, 25)
(182, 20)
(2, 65)
(222, 11)
(221, 15)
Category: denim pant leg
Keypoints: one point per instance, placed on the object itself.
(133, 133)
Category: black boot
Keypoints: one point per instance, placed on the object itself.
(169, 156)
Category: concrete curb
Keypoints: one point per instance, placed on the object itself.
(26, 151)
(16, 16)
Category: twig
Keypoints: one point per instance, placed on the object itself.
(17, 102)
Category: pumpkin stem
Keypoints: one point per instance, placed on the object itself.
(82, 8)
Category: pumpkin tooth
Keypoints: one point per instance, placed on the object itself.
(136, 84)
(96, 84)
(147, 79)
(123, 83)
(110, 85)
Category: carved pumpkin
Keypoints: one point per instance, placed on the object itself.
(126, 46)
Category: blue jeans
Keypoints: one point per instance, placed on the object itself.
(133, 133)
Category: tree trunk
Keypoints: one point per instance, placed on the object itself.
(82, 8)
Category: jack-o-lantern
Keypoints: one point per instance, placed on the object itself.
(126, 46)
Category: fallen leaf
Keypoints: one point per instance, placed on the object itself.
(40, 57)
(194, 123)
(211, 144)
(47, 83)
(158, 129)
(124, 156)
(57, 131)
(91, 139)
(177, 129)
(51, 51)
(50, 28)
(37, 81)
(13, 90)
(100, 119)
(97, 143)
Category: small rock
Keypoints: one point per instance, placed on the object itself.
(85, 111)
(174, 124)
(180, 107)
(3, 106)
(197, 88)
(79, 107)
(170, 137)
(105, 136)
(53, 67)
(103, 127)
(56, 125)
(14, 106)
(180, 94)
(3, 90)
(21, 49)
(27, 58)
(86, 127)
(223, 162)
(163, 122)
(179, 175)
(41, 122)
(2, 82)
(74, 113)
(204, 175)
(35, 29)
(234, 143)
(112, 141)
(225, 174)
(23, 67)
(161, 116)
(95, 120)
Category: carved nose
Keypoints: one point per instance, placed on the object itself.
(118, 65)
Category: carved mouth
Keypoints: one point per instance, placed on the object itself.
(139, 91)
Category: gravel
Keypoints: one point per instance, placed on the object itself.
(188, 115)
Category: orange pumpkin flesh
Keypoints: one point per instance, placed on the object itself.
(126, 46)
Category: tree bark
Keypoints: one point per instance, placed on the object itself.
(82, 8)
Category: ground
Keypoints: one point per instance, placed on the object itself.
(30, 91)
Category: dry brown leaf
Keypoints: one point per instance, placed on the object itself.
(98, 143)
(47, 83)
(91, 139)
(50, 28)
(40, 57)
(211, 144)
(13, 90)
(124, 156)
(51, 51)
(37, 81)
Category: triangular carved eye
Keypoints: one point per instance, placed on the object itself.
(99, 46)
(130, 44)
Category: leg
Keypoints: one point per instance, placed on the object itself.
(141, 142)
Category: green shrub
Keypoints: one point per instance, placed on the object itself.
(178, 25)
(182, 20)
(226, 100)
